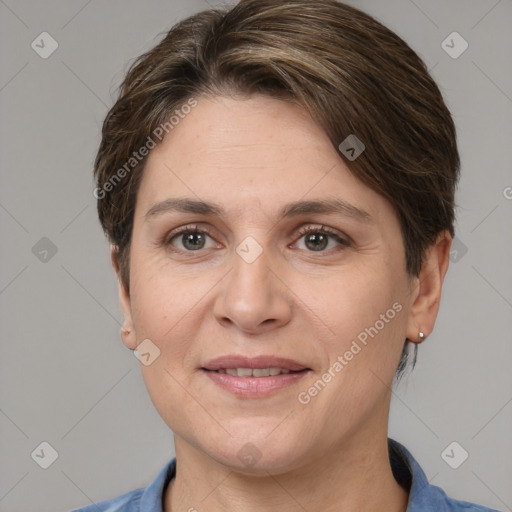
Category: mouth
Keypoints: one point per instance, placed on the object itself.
(255, 377)
(256, 372)
(260, 363)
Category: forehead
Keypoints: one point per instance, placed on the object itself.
(253, 153)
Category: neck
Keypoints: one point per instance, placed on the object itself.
(353, 477)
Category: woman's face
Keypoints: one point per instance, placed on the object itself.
(250, 282)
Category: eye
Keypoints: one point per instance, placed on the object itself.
(194, 238)
(191, 237)
(316, 239)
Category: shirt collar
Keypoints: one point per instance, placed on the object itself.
(153, 496)
(423, 495)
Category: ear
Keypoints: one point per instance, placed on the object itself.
(128, 334)
(427, 288)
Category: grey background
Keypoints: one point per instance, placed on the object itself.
(65, 376)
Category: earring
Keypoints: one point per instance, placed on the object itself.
(421, 337)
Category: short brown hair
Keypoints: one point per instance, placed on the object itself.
(352, 74)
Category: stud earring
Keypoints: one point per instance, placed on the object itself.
(421, 337)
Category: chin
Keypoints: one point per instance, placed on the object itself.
(258, 454)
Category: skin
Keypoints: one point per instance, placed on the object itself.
(251, 157)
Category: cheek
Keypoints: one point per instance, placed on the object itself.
(351, 299)
(158, 302)
(170, 307)
(156, 289)
(161, 308)
(365, 312)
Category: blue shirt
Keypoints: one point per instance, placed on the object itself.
(423, 496)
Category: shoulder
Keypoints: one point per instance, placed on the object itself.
(423, 496)
(128, 502)
(140, 500)
(435, 496)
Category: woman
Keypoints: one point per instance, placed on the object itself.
(277, 183)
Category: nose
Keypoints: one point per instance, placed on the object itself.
(253, 296)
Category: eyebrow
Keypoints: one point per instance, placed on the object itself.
(336, 206)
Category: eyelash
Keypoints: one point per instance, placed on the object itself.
(324, 230)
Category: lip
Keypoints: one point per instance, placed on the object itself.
(254, 387)
(263, 361)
